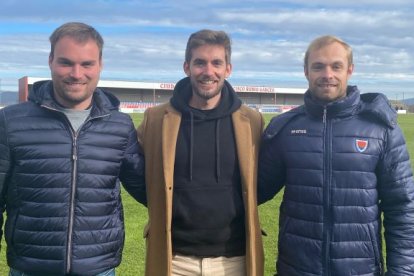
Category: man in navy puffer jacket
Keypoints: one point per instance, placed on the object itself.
(63, 154)
(343, 163)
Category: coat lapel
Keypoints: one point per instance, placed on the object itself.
(170, 128)
(242, 130)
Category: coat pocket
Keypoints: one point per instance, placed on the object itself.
(10, 228)
(284, 223)
(146, 231)
(375, 247)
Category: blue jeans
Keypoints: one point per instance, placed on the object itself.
(14, 272)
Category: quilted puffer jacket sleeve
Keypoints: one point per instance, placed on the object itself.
(132, 173)
(4, 167)
(396, 191)
(272, 172)
(271, 175)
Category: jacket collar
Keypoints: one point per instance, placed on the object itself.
(373, 105)
(341, 108)
(103, 102)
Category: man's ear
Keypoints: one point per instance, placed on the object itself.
(306, 72)
(229, 69)
(186, 68)
(50, 60)
(350, 70)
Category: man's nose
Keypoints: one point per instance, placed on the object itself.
(76, 71)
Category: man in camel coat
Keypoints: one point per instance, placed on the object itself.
(201, 152)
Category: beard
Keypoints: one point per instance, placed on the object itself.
(206, 94)
(68, 96)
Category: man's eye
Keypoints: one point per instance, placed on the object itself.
(65, 63)
(317, 67)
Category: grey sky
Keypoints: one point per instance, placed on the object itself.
(145, 40)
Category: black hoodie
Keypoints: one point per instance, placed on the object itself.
(208, 210)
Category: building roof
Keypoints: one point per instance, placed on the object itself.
(170, 86)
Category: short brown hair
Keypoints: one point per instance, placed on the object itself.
(325, 40)
(77, 30)
(208, 37)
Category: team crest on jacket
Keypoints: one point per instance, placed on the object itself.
(361, 144)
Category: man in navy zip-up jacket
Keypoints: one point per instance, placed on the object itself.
(343, 163)
(63, 154)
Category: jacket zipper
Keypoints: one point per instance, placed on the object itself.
(73, 189)
(72, 201)
(327, 167)
(74, 158)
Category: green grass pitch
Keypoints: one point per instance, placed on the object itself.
(136, 216)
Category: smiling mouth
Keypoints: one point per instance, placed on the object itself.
(327, 85)
(207, 82)
(73, 84)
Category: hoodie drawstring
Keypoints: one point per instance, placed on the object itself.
(191, 153)
(218, 149)
(191, 144)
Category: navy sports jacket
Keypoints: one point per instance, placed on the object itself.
(341, 165)
(61, 189)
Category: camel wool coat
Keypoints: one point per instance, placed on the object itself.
(158, 136)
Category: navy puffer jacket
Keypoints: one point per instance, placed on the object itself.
(61, 189)
(341, 165)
